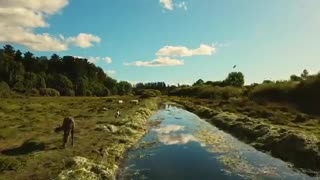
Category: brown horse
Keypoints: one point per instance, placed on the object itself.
(67, 127)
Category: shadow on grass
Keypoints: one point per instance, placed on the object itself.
(26, 148)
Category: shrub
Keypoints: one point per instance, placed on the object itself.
(307, 96)
(234, 79)
(4, 90)
(19, 87)
(208, 91)
(49, 92)
(33, 92)
(280, 91)
(147, 93)
(219, 92)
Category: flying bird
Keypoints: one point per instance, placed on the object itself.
(234, 66)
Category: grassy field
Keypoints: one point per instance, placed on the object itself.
(31, 150)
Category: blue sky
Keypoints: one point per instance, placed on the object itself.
(176, 41)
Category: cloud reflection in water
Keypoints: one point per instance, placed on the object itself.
(169, 129)
(176, 139)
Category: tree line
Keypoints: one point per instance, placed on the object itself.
(66, 76)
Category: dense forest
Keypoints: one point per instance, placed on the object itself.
(65, 76)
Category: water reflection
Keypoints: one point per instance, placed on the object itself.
(176, 139)
(189, 148)
(169, 129)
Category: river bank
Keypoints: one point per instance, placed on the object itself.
(31, 150)
(288, 144)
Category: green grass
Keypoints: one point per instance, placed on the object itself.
(31, 150)
(275, 113)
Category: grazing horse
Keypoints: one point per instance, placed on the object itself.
(67, 127)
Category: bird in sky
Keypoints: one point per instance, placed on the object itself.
(234, 66)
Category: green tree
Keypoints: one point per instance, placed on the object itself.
(305, 74)
(198, 83)
(18, 56)
(82, 87)
(124, 88)
(30, 80)
(62, 84)
(234, 79)
(111, 84)
(9, 50)
(295, 78)
(99, 89)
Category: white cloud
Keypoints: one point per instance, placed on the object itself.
(107, 60)
(161, 61)
(167, 4)
(110, 72)
(182, 51)
(19, 19)
(84, 40)
(48, 6)
(94, 60)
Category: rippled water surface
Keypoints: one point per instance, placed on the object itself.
(186, 147)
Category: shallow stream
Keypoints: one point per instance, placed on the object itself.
(186, 147)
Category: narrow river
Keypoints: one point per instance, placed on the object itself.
(186, 147)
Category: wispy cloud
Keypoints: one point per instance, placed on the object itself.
(110, 72)
(182, 51)
(161, 61)
(94, 60)
(84, 40)
(19, 19)
(107, 60)
(169, 5)
(182, 5)
(221, 45)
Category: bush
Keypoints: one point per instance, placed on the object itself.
(49, 92)
(234, 79)
(19, 87)
(280, 91)
(4, 90)
(33, 92)
(219, 92)
(208, 91)
(307, 96)
(147, 93)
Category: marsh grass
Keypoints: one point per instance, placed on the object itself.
(282, 114)
(29, 148)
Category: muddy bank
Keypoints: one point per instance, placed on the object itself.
(291, 146)
(128, 130)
